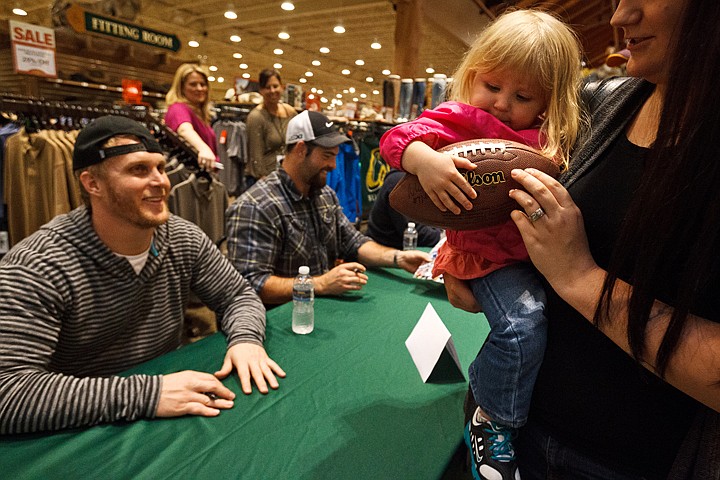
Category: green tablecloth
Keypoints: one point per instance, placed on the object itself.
(352, 405)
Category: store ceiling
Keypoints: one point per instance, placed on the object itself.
(447, 28)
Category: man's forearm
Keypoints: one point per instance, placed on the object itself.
(276, 290)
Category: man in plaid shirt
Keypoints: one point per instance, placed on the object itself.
(292, 218)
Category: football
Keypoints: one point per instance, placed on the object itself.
(491, 179)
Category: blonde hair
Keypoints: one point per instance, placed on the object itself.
(175, 94)
(540, 44)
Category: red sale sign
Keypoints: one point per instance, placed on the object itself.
(33, 49)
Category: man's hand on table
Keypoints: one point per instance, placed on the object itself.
(410, 260)
(191, 393)
(342, 278)
(251, 362)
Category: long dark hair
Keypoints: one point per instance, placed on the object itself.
(671, 231)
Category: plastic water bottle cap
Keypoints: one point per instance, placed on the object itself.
(304, 270)
(411, 224)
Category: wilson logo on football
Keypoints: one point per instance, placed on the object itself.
(488, 178)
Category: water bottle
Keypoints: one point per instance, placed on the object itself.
(303, 315)
(410, 237)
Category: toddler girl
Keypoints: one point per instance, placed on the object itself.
(519, 81)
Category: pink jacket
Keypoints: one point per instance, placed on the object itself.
(451, 122)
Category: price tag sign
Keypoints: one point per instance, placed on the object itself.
(33, 49)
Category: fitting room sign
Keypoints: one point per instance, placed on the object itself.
(83, 21)
(33, 49)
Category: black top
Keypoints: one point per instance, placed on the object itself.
(590, 393)
(386, 225)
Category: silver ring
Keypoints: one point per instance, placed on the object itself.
(537, 215)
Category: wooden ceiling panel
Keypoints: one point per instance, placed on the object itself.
(310, 27)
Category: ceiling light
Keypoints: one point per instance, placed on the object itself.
(339, 95)
(351, 89)
(230, 15)
(316, 63)
(20, 12)
(323, 100)
(193, 43)
(278, 51)
(429, 70)
(213, 68)
(277, 65)
(308, 73)
(363, 95)
(346, 91)
(237, 55)
(211, 78)
(220, 79)
(303, 80)
(339, 28)
(375, 45)
(313, 90)
(244, 66)
(385, 72)
(369, 79)
(246, 75)
(311, 96)
(355, 99)
(287, 6)
(376, 92)
(345, 71)
(320, 92)
(235, 38)
(324, 50)
(359, 62)
(283, 35)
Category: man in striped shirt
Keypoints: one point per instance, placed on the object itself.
(101, 289)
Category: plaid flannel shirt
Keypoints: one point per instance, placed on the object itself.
(273, 230)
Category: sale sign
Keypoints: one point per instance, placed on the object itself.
(33, 49)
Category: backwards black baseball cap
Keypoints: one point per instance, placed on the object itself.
(88, 146)
(313, 127)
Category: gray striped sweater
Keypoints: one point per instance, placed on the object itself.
(73, 314)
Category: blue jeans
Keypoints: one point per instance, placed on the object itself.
(542, 457)
(503, 375)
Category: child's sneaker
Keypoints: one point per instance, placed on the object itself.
(491, 451)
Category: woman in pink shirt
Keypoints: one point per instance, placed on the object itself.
(189, 112)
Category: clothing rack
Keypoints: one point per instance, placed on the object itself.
(233, 111)
(38, 113)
